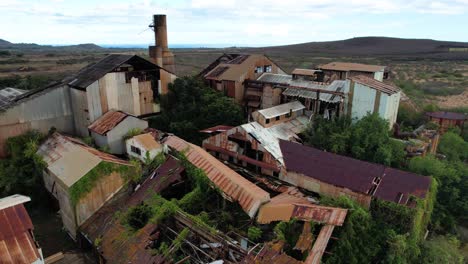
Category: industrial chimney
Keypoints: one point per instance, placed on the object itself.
(160, 53)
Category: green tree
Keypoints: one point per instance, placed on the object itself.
(452, 196)
(453, 146)
(441, 249)
(21, 172)
(190, 106)
(331, 135)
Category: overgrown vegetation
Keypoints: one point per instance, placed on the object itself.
(86, 183)
(21, 171)
(190, 107)
(367, 139)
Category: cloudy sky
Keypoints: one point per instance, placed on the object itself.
(230, 22)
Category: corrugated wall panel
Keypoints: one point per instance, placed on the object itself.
(80, 108)
(93, 96)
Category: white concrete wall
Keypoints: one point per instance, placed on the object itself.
(152, 153)
(379, 76)
(114, 139)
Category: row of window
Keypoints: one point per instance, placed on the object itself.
(266, 68)
(135, 150)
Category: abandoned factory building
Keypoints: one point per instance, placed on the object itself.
(126, 83)
(229, 72)
(335, 175)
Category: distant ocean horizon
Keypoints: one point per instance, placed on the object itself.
(173, 46)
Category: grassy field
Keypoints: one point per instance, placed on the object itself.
(426, 80)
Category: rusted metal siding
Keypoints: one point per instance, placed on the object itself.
(323, 188)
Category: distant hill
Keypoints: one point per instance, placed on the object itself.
(25, 47)
(374, 46)
(4, 42)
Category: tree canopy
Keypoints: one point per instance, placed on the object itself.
(190, 106)
(367, 139)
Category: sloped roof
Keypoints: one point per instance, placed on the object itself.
(8, 95)
(16, 243)
(348, 66)
(147, 141)
(107, 121)
(28, 95)
(375, 84)
(353, 174)
(94, 72)
(248, 195)
(281, 109)
(233, 70)
(448, 115)
(70, 159)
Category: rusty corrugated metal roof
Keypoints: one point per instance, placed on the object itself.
(315, 255)
(285, 207)
(348, 66)
(107, 122)
(16, 242)
(353, 174)
(249, 196)
(375, 84)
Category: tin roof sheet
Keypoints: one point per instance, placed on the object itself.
(335, 86)
(269, 137)
(235, 69)
(448, 115)
(353, 174)
(375, 84)
(285, 207)
(107, 122)
(70, 159)
(13, 200)
(281, 109)
(248, 195)
(348, 66)
(147, 141)
(16, 243)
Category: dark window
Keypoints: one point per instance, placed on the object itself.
(268, 68)
(278, 118)
(288, 115)
(259, 69)
(267, 121)
(135, 150)
(276, 174)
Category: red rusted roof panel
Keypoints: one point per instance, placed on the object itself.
(16, 243)
(249, 195)
(107, 122)
(373, 83)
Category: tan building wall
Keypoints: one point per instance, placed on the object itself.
(322, 188)
(72, 218)
(273, 121)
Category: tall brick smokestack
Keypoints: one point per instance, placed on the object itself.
(160, 53)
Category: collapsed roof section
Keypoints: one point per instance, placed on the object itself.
(234, 186)
(94, 72)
